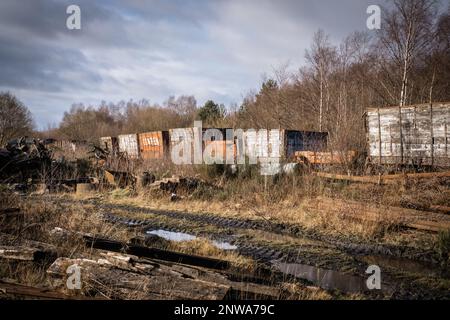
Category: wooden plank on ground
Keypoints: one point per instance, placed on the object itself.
(383, 179)
(14, 290)
(424, 175)
(24, 253)
(361, 179)
(136, 281)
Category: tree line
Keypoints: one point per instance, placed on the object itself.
(406, 62)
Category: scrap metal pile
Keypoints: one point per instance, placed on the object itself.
(23, 158)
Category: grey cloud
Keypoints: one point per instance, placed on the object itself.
(40, 67)
(156, 48)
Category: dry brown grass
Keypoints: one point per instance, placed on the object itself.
(40, 218)
(292, 211)
(321, 207)
(299, 292)
(300, 201)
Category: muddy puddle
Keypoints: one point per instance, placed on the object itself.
(407, 265)
(326, 279)
(181, 237)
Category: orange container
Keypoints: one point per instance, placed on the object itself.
(154, 145)
(218, 149)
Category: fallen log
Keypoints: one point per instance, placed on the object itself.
(17, 253)
(428, 226)
(122, 275)
(391, 179)
(190, 265)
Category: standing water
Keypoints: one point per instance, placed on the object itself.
(180, 237)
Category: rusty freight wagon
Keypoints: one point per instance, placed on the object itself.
(154, 145)
(410, 135)
(129, 145)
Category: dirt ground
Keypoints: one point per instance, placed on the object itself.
(325, 242)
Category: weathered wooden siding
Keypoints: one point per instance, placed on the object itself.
(129, 145)
(422, 138)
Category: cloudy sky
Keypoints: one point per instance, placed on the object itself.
(213, 49)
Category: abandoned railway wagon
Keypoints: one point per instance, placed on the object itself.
(154, 145)
(410, 135)
(129, 145)
(210, 145)
(264, 145)
(295, 141)
(283, 143)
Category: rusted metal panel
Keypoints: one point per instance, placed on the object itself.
(218, 149)
(154, 145)
(129, 145)
(421, 139)
(218, 146)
